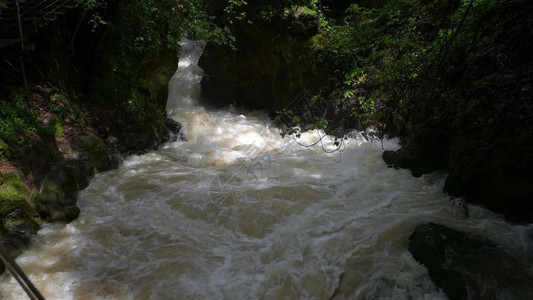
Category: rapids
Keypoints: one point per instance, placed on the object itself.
(238, 212)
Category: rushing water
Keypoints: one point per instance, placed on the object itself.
(237, 212)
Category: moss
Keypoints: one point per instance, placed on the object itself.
(5, 152)
(14, 194)
(318, 40)
(306, 11)
(17, 208)
(55, 128)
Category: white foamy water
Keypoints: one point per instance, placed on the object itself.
(237, 212)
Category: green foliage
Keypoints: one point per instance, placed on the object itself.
(387, 63)
(17, 120)
(42, 111)
(54, 128)
(148, 27)
(235, 11)
(293, 123)
(94, 8)
(55, 103)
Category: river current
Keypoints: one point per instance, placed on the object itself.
(235, 211)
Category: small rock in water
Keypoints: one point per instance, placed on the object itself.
(459, 208)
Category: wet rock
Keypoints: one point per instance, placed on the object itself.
(17, 207)
(494, 172)
(174, 130)
(14, 243)
(138, 142)
(64, 214)
(467, 266)
(18, 221)
(92, 152)
(425, 153)
(59, 190)
(172, 125)
(85, 141)
(406, 159)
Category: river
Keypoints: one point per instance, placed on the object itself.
(235, 211)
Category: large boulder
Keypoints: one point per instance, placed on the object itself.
(467, 266)
(59, 190)
(494, 171)
(424, 153)
(18, 219)
(406, 159)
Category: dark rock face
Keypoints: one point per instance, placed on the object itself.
(495, 172)
(468, 266)
(482, 167)
(268, 69)
(93, 155)
(424, 154)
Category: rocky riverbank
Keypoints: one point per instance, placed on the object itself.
(43, 168)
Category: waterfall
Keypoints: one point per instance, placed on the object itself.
(184, 87)
(235, 211)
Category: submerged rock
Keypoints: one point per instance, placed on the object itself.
(467, 266)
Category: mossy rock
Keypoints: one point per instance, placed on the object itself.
(18, 221)
(15, 243)
(155, 73)
(91, 150)
(15, 194)
(56, 127)
(120, 77)
(18, 215)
